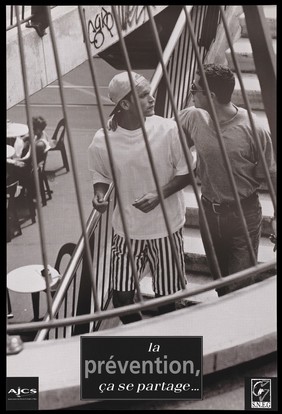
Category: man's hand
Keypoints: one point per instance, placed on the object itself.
(273, 224)
(20, 164)
(99, 203)
(147, 202)
(273, 237)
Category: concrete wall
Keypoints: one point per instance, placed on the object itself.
(38, 51)
(38, 54)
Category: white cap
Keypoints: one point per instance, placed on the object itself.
(120, 86)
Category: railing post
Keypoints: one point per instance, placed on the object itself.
(84, 295)
(39, 19)
(14, 344)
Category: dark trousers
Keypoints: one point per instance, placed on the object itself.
(24, 175)
(229, 240)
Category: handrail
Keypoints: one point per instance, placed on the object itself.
(73, 264)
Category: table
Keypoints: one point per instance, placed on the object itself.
(28, 279)
(16, 130)
(10, 151)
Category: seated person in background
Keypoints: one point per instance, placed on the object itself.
(19, 167)
(42, 144)
(40, 136)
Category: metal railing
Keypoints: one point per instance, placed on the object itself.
(75, 280)
(25, 16)
(182, 46)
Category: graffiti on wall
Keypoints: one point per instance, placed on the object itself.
(102, 27)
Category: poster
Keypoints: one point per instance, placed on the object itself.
(47, 374)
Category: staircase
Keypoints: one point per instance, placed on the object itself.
(243, 51)
(197, 271)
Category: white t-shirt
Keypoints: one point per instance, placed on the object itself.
(19, 144)
(134, 174)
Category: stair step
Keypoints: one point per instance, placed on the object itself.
(244, 55)
(193, 245)
(194, 282)
(197, 271)
(192, 213)
(253, 91)
(270, 13)
(263, 118)
(190, 200)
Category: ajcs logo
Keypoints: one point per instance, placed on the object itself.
(22, 392)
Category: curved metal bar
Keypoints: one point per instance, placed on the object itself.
(221, 143)
(182, 137)
(248, 107)
(35, 165)
(109, 149)
(111, 313)
(73, 162)
(59, 297)
(137, 103)
(265, 61)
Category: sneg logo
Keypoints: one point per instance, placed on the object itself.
(261, 393)
(22, 392)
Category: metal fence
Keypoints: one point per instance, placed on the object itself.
(87, 277)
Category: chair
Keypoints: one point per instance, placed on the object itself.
(45, 191)
(29, 201)
(9, 306)
(67, 248)
(13, 224)
(58, 137)
(43, 181)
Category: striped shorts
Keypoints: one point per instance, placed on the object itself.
(158, 254)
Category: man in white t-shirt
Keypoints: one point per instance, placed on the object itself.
(143, 214)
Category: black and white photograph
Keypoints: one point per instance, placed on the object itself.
(141, 240)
